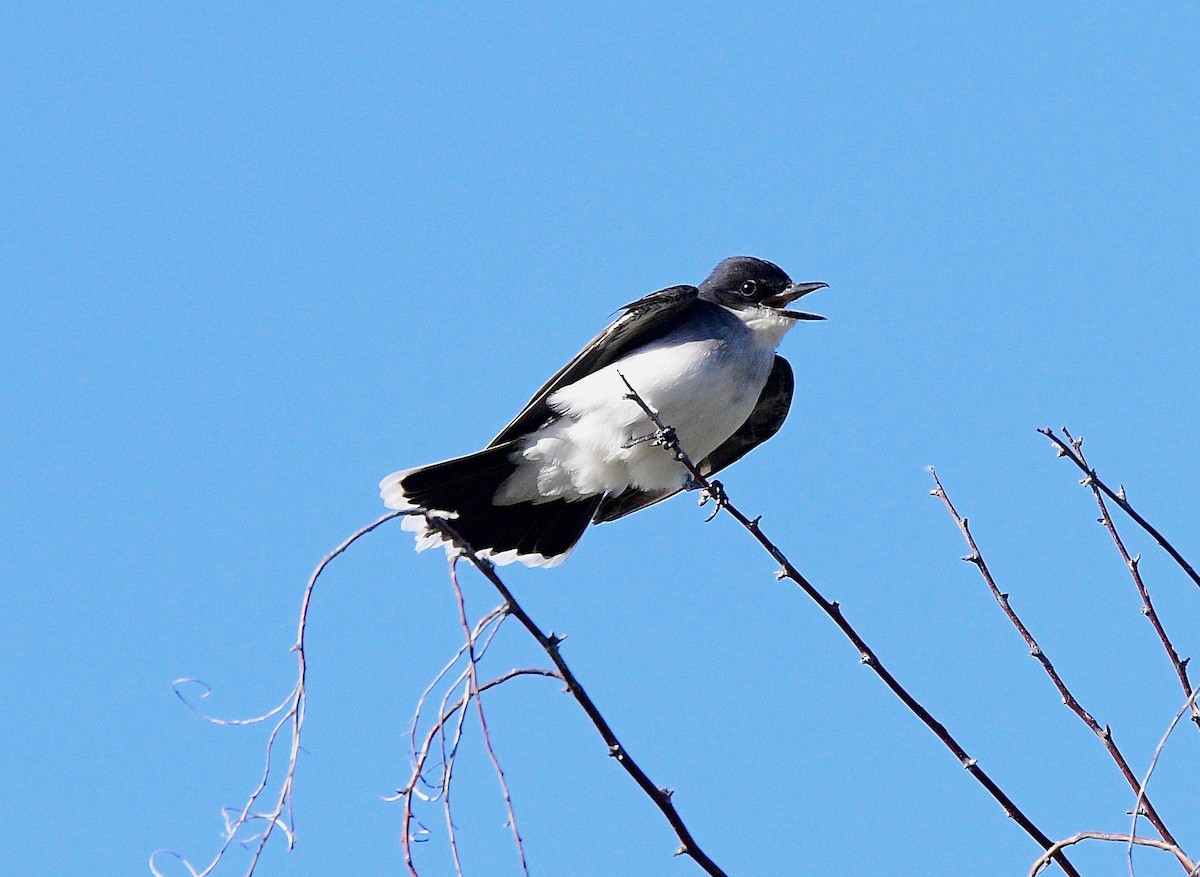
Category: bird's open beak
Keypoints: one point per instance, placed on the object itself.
(789, 295)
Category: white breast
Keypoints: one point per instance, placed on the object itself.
(703, 380)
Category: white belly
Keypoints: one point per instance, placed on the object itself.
(700, 387)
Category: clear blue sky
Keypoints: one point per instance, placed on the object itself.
(255, 259)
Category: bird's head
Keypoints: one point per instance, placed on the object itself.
(741, 282)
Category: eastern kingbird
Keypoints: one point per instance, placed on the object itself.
(702, 357)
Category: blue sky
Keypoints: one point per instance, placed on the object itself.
(255, 259)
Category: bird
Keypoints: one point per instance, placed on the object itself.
(582, 450)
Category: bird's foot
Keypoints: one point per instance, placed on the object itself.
(714, 491)
(633, 441)
(666, 438)
(660, 438)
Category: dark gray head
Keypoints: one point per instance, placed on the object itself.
(743, 281)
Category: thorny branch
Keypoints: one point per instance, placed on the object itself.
(1035, 650)
(290, 711)
(1133, 564)
(716, 491)
(293, 707)
(550, 643)
(1091, 479)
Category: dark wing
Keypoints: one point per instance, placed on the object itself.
(641, 322)
(764, 421)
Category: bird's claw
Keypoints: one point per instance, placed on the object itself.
(715, 491)
(660, 438)
(666, 438)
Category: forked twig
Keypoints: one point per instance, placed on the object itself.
(1133, 564)
(1189, 705)
(1035, 650)
(489, 624)
(473, 692)
(1091, 478)
(833, 609)
(422, 753)
(496, 616)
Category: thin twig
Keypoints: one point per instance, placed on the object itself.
(1133, 564)
(833, 609)
(1044, 859)
(473, 691)
(410, 789)
(206, 690)
(489, 624)
(1035, 650)
(497, 613)
(1091, 478)
(294, 714)
(448, 762)
(443, 793)
(1189, 704)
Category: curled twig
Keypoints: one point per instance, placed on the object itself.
(206, 690)
(291, 711)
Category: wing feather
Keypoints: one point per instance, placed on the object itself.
(641, 322)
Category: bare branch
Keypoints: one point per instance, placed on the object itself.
(1092, 479)
(716, 491)
(1035, 650)
(1044, 859)
(1189, 705)
(484, 623)
(549, 643)
(450, 757)
(422, 753)
(473, 691)
(1133, 564)
(489, 624)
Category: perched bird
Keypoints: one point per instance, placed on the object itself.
(581, 450)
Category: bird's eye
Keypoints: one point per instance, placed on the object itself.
(749, 288)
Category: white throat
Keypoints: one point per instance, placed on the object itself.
(768, 325)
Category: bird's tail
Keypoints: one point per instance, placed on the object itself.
(463, 491)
